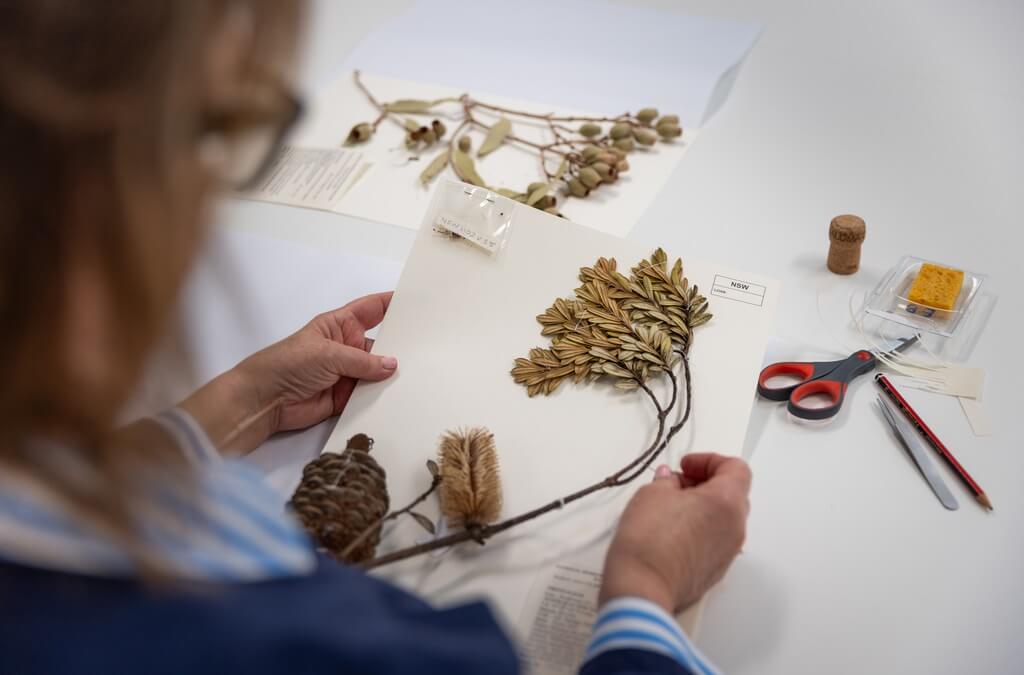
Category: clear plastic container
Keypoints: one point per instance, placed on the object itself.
(889, 299)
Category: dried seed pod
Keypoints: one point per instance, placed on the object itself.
(465, 143)
(625, 144)
(668, 119)
(618, 152)
(360, 133)
(342, 495)
(589, 130)
(647, 115)
(603, 170)
(620, 130)
(430, 137)
(534, 186)
(439, 129)
(589, 177)
(645, 136)
(470, 490)
(544, 203)
(577, 188)
(622, 166)
(607, 157)
(590, 152)
(667, 131)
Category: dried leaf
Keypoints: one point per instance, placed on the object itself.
(560, 171)
(409, 105)
(511, 194)
(495, 137)
(538, 194)
(411, 124)
(426, 523)
(465, 168)
(435, 167)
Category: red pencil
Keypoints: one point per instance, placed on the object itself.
(933, 440)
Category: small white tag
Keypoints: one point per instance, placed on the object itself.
(464, 230)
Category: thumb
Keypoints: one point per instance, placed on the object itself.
(355, 363)
(663, 473)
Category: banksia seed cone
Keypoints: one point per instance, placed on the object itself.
(470, 490)
(340, 496)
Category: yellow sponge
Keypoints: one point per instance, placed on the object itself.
(936, 286)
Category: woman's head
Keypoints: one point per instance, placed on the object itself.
(114, 122)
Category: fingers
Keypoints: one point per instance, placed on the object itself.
(368, 310)
(355, 363)
(700, 467)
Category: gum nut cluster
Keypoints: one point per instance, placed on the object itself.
(424, 135)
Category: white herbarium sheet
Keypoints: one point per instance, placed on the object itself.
(459, 318)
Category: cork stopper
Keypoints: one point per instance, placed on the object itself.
(846, 234)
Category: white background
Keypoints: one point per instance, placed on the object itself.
(910, 115)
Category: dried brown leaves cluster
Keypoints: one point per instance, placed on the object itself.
(470, 488)
(626, 328)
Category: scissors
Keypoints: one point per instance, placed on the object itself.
(829, 378)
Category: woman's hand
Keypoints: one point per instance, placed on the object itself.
(296, 382)
(679, 534)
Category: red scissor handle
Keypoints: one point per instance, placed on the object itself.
(833, 389)
(805, 370)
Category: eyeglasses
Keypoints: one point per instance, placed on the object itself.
(242, 135)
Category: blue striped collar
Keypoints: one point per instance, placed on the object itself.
(227, 525)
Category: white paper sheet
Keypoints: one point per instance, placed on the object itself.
(390, 191)
(458, 319)
(584, 55)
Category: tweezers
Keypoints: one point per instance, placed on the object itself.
(917, 451)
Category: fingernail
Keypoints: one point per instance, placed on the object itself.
(662, 472)
(389, 363)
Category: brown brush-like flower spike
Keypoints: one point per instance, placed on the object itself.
(470, 490)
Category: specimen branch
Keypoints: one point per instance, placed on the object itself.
(481, 534)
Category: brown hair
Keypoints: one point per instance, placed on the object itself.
(101, 105)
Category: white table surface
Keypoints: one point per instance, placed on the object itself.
(910, 115)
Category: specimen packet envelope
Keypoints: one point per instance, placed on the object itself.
(458, 319)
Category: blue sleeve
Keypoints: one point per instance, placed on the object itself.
(634, 636)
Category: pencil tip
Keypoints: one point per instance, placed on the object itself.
(983, 500)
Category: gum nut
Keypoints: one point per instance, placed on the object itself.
(603, 170)
(589, 130)
(647, 115)
(625, 144)
(577, 188)
(546, 202)
(429, 137)
(645, 136)
(359, 133)
(669, 131)
(608, 158)
(668, 119)
(589, 177)
(410, 143)
(622, 166)
(618, 152)
(620, 130)
(590, 152)
(552, 210)
(465, 143)
(534, 186)
(438, 128)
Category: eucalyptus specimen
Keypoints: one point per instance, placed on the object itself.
(582, 154)
(626, 330)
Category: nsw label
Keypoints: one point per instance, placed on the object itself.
(739, 290)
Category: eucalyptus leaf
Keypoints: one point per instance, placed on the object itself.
(495, 137)
(424, 522)
(538, 194)
(411, 124)
(465, 168)
(561, 169)
(409, 105)
(435, 167)
(511, 194)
